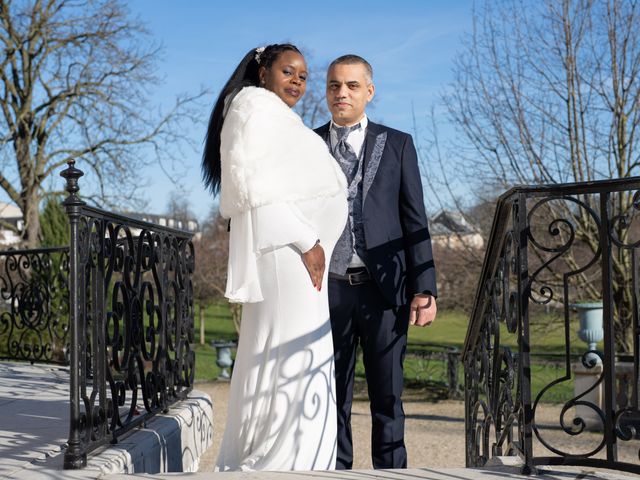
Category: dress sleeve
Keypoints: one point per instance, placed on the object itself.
(255, 232)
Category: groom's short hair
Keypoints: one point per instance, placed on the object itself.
(351, 59)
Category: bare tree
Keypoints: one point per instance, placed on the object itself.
(312, 107)
(210, 276)
(74, 85)
(178, 208)
(549, 92)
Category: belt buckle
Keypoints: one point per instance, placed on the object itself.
(352, 282)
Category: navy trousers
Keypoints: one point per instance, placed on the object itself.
(361, 315)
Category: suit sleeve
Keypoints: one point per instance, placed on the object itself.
(421, 271)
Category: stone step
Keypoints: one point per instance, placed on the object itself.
(494, 473)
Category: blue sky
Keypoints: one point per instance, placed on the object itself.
(410, 44)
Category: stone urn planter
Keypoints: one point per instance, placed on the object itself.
(224, 359)
(591, 331)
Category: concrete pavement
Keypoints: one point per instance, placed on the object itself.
(34, 426)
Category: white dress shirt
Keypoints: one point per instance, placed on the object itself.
(355, 138)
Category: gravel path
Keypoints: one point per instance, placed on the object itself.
(434, 432)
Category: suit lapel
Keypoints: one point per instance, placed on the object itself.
(374, 146)
(323, 131)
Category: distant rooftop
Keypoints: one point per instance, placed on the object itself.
(12, 214)
(189, 224)
(9, 210)
(446, 222)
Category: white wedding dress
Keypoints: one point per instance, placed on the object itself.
(282, 413)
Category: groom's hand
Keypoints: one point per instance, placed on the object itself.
(314, 261)
(423, 310)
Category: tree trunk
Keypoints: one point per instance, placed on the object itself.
(29, 198)
(30, 211)
(236, 315)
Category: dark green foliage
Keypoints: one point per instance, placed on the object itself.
(54, 224)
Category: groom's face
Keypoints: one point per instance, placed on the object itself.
(349, 90)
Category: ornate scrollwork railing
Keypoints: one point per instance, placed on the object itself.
(551, 248)
(131, 317)
(34, 306)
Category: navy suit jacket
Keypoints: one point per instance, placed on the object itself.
(398, 244)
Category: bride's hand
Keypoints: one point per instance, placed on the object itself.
(315, 263)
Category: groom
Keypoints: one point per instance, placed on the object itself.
(382, 274)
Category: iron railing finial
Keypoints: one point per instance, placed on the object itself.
(71, 174)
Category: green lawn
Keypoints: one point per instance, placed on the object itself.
(450, 329)
(218, 326)
(218, 323)
(547, 334)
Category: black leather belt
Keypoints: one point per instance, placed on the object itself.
(355, 276)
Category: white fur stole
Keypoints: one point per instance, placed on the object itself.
(269, 156)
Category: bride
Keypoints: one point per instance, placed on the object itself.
(285, 197)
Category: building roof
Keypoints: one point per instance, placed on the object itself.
(446, 222)
(188, 224)
(8, 210)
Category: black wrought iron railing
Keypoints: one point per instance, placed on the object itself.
(551, 249)
(435, 366)
(131, 322)
(34, 305)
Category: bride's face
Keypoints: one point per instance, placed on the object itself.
(287, 77)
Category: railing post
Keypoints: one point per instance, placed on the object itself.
(453, 359)
(609, 338)
(76, 456)
(524, 347)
